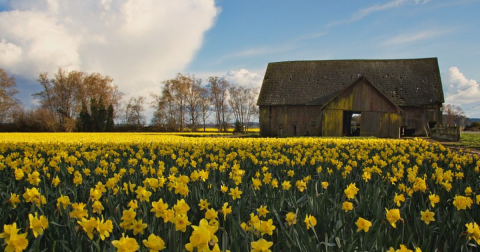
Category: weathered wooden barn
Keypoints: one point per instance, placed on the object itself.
(383, 98)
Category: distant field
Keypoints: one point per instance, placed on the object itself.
(229, 130)
(469, 140)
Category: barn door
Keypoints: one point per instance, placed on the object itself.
(351, 123)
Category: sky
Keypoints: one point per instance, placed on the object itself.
(141, 43)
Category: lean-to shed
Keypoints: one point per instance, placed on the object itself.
(383, 98)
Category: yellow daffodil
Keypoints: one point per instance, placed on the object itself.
(226, 210)
(351, 191)
(154, 243)
(126, 244)
(462, 202)
(88, 226)
(14, 199)
(310, 221)
(291, 218)
(204, 204)
(434, 199)
(363, 224)
(104, 228)
(261, 245)
(138, 226)
(427, 216)
(347, 206)
(235, 193)
(392, 215)
(262, 211)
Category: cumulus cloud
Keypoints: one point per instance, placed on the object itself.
(137, 42)
(461, 91)
(243, 77)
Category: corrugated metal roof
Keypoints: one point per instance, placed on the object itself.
(406, 82)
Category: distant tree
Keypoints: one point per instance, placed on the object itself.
(8, 88)
(33, 120)
(242, 101)
(101, 119)
(238, 127)
(94, 111)
(180, 103)
(218, 89)
(84, 119)
(110, 122)
(134, 111)
(193, 101)
(205, 106)
(453, 115)
(63, 95)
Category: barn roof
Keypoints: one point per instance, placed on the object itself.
(406, 82)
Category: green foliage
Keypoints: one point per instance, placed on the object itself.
(238, 127)
(99, 119)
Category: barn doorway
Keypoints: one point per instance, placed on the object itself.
(351, 123)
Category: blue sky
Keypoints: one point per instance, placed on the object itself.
(140, 43)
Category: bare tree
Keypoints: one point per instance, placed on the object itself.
(134, 111)
(166, 112)
(252, 108)
(453, 115)
(180, 103)
(193, 101)
(60, 96)
(205, 105)
(8, 88)
(242, 101)
(218, 88)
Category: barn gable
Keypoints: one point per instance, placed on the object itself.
(364, 99)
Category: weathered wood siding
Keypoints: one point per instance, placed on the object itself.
(380, 117)
(290, 120)
(418, 117)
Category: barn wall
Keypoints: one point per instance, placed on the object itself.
(264, 120)
(332, 122)
(415, 118)
(290, 120)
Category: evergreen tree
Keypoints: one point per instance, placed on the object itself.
(238, 127)
(94, 115)
(102, 116)
(84, 119)
(109, 124)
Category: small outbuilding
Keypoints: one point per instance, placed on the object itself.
(382, 98)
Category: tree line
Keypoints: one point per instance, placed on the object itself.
(91, 102)
(185, 103)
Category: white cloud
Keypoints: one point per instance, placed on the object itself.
(137, 42)
(360, 14)
(412, 37)
(461, 91)
(243, 77)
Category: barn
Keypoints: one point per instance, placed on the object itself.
(382, 98)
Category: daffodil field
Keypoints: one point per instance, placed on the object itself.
(165, 192)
